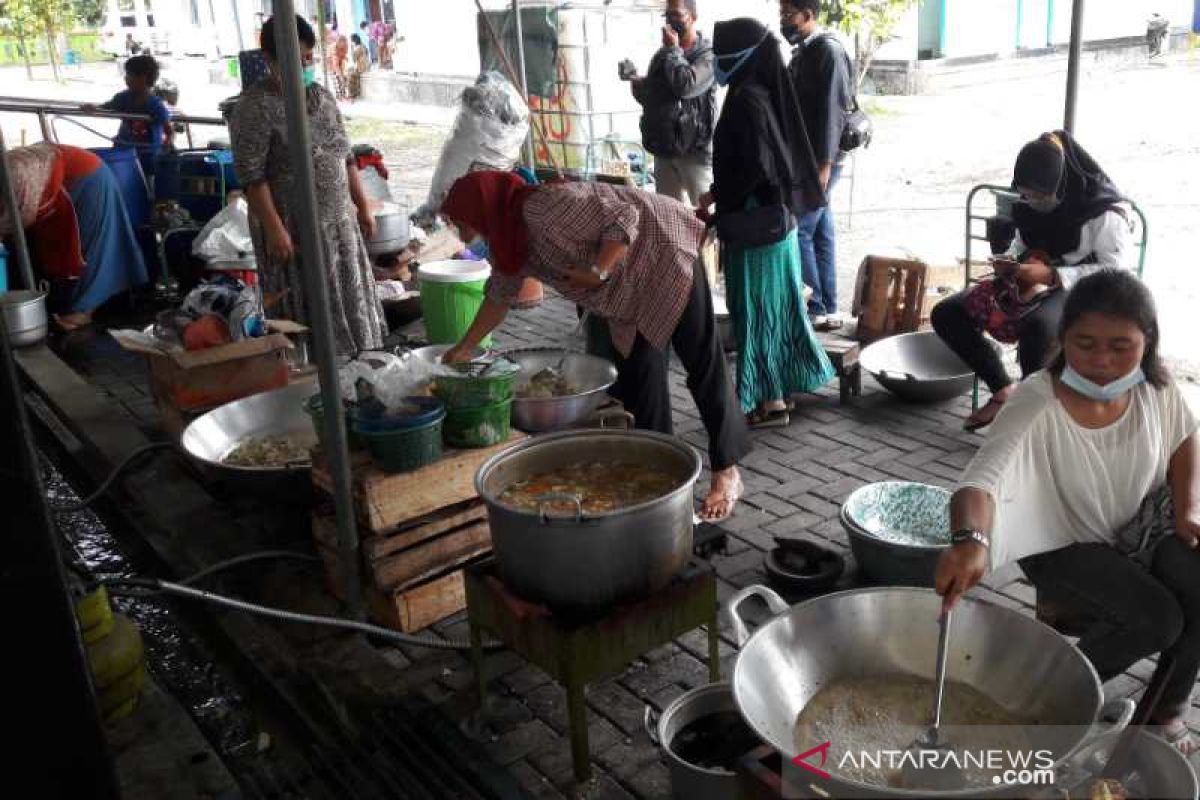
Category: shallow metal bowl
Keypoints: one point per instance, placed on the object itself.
(918, 367)
(279, 412)
(591, 374)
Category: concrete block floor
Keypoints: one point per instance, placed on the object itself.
(796, 480)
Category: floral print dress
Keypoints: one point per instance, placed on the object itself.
(259, 133)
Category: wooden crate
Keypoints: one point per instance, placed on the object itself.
(386, 501)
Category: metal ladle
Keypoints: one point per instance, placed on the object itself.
(917, 775)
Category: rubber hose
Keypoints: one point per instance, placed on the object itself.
(288, 616)
(104, 486)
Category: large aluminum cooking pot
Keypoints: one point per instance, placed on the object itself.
(917, 367)
(24, 314)
(1013, 659)
(581, 563)
(591, 375)
(391, 230)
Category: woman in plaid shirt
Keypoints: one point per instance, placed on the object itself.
(630, 257)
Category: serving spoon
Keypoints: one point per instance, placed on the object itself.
(914, 773)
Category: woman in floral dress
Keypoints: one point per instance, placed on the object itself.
(260, 148)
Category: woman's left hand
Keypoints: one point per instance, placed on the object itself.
(366, 221)
(581, 278)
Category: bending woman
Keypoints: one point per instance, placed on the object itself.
(1070, 221)
(762, 157)
(1089, 480)
(625, 255)
(78, 226)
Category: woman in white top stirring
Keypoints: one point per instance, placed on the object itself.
(1076, 482)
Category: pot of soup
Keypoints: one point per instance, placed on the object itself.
(845, 682)
(582, 520)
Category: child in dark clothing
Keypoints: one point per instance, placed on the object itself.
(141, 73)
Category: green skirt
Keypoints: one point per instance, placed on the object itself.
(778, 354)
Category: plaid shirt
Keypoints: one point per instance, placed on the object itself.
(647, 292)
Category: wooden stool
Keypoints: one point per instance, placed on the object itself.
(578, 653)
(843, 353)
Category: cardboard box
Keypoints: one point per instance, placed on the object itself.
(183, 380)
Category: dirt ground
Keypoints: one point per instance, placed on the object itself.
(910, 186)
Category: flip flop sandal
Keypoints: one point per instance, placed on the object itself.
(758, 420)
(731, 497)
(828, 326)
(1180, 738)
(975, 422)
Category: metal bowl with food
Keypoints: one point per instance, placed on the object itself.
(256, 440)
(898, 530)
(837, 668)
(918, 367)
(558, 388)
(582, 520)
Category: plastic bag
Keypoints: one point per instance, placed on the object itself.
(393, 378)
(226, 237)
(490, 128)
(232, 300)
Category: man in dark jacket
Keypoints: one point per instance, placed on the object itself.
(678, 99)
(820, 70)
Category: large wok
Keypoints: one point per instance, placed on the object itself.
(918, 367)
(1015, 660)
(211, 437)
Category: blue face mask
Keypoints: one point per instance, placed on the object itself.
(479, 247)
(1106, 393)
(722, 75)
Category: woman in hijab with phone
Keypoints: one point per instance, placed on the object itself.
(1070, 221)
(764, 174)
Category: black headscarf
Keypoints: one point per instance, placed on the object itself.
(1055, 163)
(765, 70)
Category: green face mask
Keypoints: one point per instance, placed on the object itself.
(310, 75)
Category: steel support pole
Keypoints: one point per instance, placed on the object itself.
(1073, 58)
(516, 10)
(316, 289)
(14, 212)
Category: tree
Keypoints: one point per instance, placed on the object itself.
(89, 12)
(871, 23)
(20, 22)
(53, 17)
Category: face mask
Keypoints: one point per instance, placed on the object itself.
(479, 247)
(1044, 206)
(310, 75)
(792, 34)
(1106, 393)
(722, 75)
(679, 28)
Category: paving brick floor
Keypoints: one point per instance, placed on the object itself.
(796, 479)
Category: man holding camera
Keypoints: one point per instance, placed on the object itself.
(678, 99)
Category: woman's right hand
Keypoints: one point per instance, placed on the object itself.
(279, 244)
(460, 352)
(959, 568)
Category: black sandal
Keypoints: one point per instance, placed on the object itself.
(975, 422)
(768, 419)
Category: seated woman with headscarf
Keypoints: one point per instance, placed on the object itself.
(1070, 221)
(630, 257)
(77, 224)
(762, 159)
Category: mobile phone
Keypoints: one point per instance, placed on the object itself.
(1005, 266)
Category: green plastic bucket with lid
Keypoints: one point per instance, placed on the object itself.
(451, 294)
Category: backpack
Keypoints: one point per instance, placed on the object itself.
(858, 129)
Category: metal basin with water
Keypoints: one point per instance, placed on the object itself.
(917, 367)
(898, 530)
(1013, 659)
(591, 375)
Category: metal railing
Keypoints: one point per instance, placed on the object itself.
(49, 112)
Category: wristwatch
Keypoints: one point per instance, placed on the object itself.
(602, 274)
(971, 535)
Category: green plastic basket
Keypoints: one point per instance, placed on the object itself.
(404, 449)
(470, 390)
(316, 414)
(481, 426)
